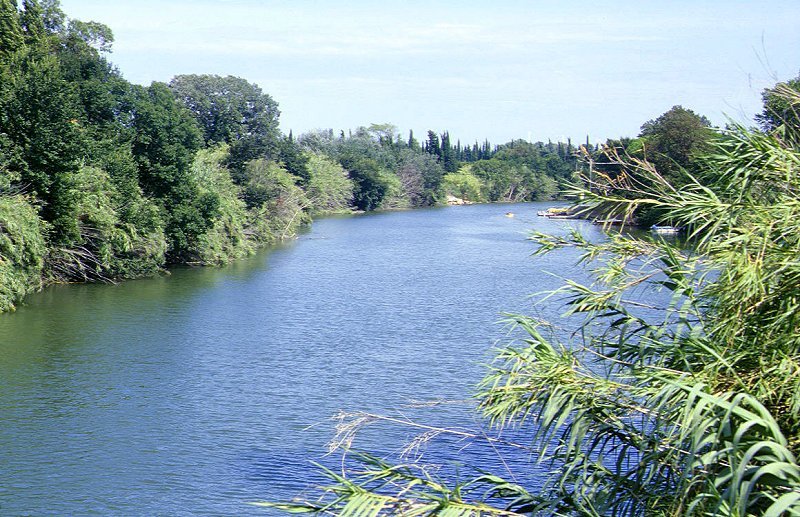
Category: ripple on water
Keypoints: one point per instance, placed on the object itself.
(200, 391)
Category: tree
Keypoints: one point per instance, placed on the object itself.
(166, 140)
(412, 142)
(278, 204)
(329, 189)
(22, 247)
(291, 156)
(385, 134)
(501, 180)
(266, 181)
(229, 237)
(674, 140)
(319, 141)
(232, 110)
(432, 145)
(449, 160)
(463, 185)
(778, 111)
(10, 30)
(420, 175)
(32, 22)
(369, 184)
(54, 18)
(94, 35)
(40, 116)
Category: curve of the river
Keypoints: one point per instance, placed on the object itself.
(198, 392)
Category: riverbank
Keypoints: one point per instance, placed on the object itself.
(29, 273)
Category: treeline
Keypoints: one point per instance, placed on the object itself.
(389, 171)
(101, 179)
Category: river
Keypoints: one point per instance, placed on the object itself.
(205, 389)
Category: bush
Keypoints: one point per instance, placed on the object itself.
(106, 247)
(22, 250)
(226, 239)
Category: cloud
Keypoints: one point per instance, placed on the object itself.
(544, 63)
(356, 40)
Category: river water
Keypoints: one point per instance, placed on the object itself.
(206, 389)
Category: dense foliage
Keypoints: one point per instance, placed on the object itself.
(113, 180)
(687, 406)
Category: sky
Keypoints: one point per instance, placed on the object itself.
(498, 70)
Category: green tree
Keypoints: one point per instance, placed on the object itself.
(232, 110)
(166, 140)
(291, 156)
(385, 134)
(420, 176)
(54, 18)
(229, 237)
(370, 186)
(107, 246)
(22, 249)
(779, 112)
(32, 22)
(279, 206)
(501, 180)
(412, 142)
(319, 141)
(448, 157)
(265, 181)
(329, 189)
(10, 31)
(39, 114)
(90, 34)
(542, 187)
(463, 185)
(432, 145)
(674, 140)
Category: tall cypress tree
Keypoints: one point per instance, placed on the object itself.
(412, 142)
(10, 31)
(433, 144)
(448, 160)
(32, 22)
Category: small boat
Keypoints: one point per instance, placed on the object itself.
(665, 230)
(553, 211)
(509, 214)
(606, 222)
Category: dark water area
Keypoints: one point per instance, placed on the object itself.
(197, 392)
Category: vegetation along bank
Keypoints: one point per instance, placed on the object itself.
(103, 180)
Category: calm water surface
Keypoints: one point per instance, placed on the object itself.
(194, 393)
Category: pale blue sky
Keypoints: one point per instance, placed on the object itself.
(497, 70)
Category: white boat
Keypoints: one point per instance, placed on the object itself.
(667, 230)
